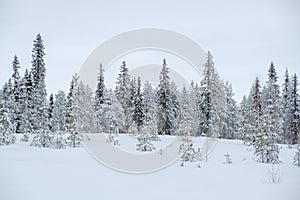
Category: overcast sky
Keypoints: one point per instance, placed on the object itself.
(243, 36)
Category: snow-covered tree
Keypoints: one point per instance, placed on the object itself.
(26, 106)
(212, 104)
(16, 94)
(144, 140)
(285, 108)
(166, 99)
(272, 99)
(138, 115)
(74, 138)
(100, 102)
(116, 113)
(186, 118)
(293, 135)
(265, 144)
(59, 112)
(231, 120)
(50, 110)
(7, 128)
(297, 156)
(58, 122)
(150, 111)
(252, 117)
(39, 88)
(86, 117)
(122, 91)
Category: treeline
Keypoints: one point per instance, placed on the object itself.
(207, 108)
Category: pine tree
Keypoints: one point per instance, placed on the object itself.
(165, 102)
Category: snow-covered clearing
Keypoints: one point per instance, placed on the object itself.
(31, 173)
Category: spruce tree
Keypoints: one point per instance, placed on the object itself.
(213, 101)
(17, 94)
(138, 115)
(150, 111)
(165, 104)
(293, 136)
(38, 72)
(230, 127)
(100, 104)
(121, 91)
(285, 108)
(74, 138)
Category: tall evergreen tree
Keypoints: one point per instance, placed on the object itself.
(100, 104)
(213, 101)
(285, 108)
(38, 80)
(50, 110)
(16, 93)
(138, 115)
(230, 127)
(74, 137)
(121, 91)
(293, 136)
(165, 104)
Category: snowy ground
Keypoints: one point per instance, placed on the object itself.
(49, 174)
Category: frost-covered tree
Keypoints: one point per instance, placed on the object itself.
(272, 99)
(252, 118)
(144, 140)
(74, 138)
(50, 110)
(116, 114)
(231, 120)
(265, 144)
(285, 108)
(150, 111)
(27, 107)
(7, 128)
(122, 92)
(38, 72)
(186, 117)
(212, 104)
(293, 135)
(100, 102)
(297, 156)
(16, 94)
(138, 115)
(58, 122)
(166, 99)
(86, 117)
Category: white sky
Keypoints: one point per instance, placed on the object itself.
(244, 36)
